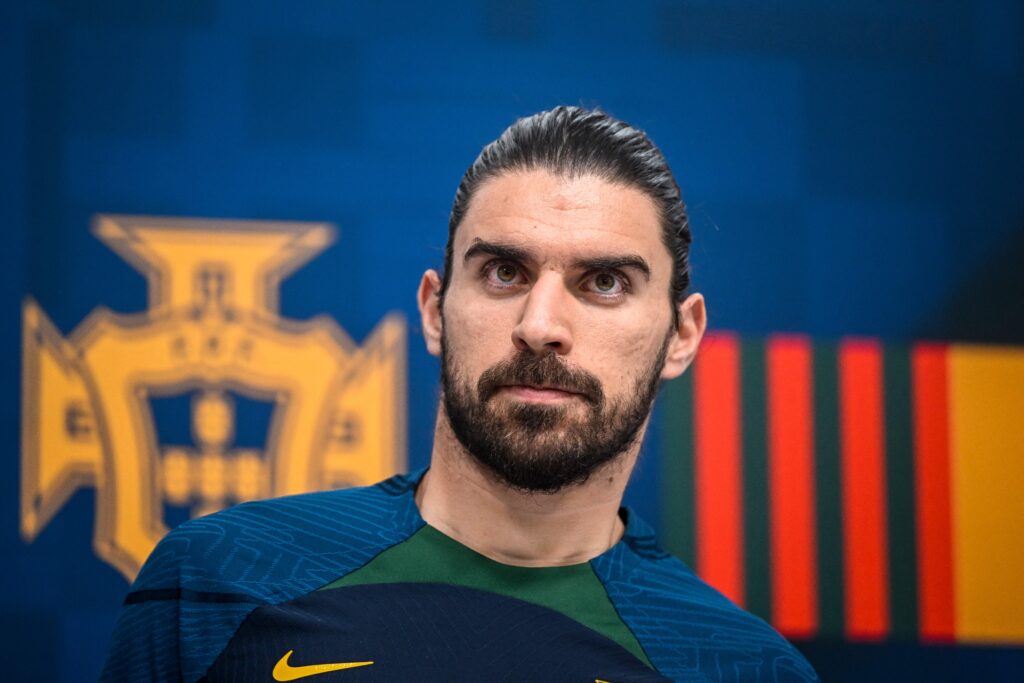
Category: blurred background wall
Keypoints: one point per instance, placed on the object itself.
(851, 169)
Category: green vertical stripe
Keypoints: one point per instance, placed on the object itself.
(828, 486)
(677, 494)
(899, 470)
(756, 515)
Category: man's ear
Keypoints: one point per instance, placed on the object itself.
(429, 299)
(683, 345)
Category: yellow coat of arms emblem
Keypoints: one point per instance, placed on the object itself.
(212, 329)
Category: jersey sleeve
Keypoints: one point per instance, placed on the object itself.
(205, 578)
(688, 630)
(183, 608)
(145, 644)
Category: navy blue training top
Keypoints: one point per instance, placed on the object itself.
(351, 585)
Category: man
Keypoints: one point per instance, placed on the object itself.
(562, 306)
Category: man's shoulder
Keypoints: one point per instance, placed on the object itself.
(686, 625)
(319, 513)
(275, 547)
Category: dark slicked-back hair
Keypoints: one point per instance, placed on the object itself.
(574, 142)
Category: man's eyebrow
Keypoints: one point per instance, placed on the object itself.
(502, 251)
(519, 254)
(615, 263)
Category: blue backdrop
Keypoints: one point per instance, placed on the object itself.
(851, 168)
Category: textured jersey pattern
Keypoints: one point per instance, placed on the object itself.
(205, 577)
(252, 568)
(690, 631)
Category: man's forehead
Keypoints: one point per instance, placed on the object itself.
(542, 212)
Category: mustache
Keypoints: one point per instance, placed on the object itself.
(548, 371)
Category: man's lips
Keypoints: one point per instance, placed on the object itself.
(540, 394)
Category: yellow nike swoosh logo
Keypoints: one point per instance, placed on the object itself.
(283, 671)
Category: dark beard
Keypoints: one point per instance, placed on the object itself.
(544, 448)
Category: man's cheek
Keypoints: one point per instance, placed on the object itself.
(614, 350)
(482, 328)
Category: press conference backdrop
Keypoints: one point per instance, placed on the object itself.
(217, 213)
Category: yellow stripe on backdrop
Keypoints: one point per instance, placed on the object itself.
(986, 409)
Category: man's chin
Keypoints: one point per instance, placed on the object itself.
(544, 472)
(536, 458)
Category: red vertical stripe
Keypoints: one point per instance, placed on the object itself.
(934, 521)
(717, 467)
(791, 478)
(865, 559)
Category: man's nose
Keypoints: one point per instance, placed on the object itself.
(543, 325)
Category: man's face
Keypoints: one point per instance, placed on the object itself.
(556, 323)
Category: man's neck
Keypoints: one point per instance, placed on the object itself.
(464, 501)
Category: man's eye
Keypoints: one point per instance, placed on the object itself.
(502, 274)
(505, 273)
(605, 282)
(608, 284)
